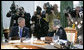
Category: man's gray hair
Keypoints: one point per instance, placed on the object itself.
(20, 19)
(56, 22)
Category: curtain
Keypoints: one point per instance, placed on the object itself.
(63, 6)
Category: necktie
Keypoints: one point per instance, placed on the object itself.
(20, 32)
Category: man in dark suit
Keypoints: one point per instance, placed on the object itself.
(20, 31)
(60, 32)
(41, 26)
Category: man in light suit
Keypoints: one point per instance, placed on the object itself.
(19, 31)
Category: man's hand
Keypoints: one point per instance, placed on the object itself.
(23, 38)
(54, 28)
(46, 14)
(52, 12)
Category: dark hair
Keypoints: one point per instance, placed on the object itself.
(38, 8)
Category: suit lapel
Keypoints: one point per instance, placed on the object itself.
(18, 30)
(23, 32)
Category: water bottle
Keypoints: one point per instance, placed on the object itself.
(54, 38)
(58, 40)
(3, 39)
(32, 39)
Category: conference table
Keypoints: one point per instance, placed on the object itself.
(28, 44)
(16, 44)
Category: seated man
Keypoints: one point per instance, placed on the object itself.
(60, 32)
(19, 31)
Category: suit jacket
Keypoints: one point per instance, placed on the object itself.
(61, 33)
(41, 27)
(15, 30)
(73, 14)
(27, 19)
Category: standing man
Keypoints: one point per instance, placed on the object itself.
(56, 12)
(50, 16)
(25, 15)
(15, 13)
(41, 27)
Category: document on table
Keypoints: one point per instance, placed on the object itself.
(78, 46)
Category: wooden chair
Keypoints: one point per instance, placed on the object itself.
(71, 34)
